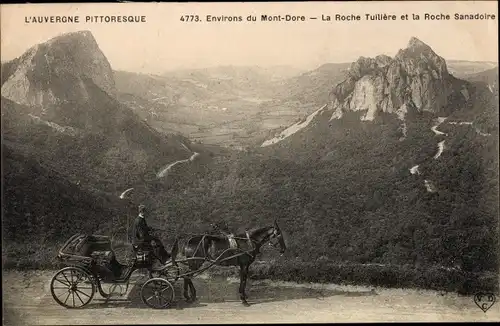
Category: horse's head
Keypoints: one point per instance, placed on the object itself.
(277, 238)
(268, 234)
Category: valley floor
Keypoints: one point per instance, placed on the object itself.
(27, 301)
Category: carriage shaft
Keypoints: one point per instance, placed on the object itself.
(212, 262)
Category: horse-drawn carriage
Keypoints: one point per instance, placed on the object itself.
(90, 262)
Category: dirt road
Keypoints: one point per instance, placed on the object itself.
(27, 301)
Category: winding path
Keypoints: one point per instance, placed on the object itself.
(429, 186)
(414, 170)
(440, 149)
(125, 192)
(440, 120)
(441, 146)
(168, 167)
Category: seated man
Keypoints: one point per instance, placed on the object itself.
(143, 239)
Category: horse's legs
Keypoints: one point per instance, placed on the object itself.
(193, 290)
(189, 290)
(243, 284)
(186, 292)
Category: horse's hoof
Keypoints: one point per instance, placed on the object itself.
(246, 304)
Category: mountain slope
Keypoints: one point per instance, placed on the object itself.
(71, 119)
(488, 77)
(41, 203)
(313, 86)
(41, 209)
(355, 188)
(462, 69)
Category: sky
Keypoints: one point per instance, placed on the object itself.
(165, 43)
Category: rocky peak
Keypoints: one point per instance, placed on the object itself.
(383, 60)
(58, 71)
(418, 57)
(416, 43)
(363, 66)
(416, 78)
(416, 49)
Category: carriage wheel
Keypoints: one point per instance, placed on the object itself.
(72, 287)
(157, 293)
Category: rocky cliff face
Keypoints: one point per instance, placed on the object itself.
(60, 108)
(55, 72)
(415, 79)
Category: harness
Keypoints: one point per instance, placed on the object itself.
(251, 245)
(252, 250)
(234, 245)
(249, 241)
(232, 241)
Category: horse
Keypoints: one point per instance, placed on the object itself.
(218, 250)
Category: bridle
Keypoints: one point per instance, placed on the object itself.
(276, 240)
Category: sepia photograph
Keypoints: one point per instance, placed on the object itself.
(300, 162)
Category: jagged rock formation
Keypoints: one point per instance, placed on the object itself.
(55, 71)
(415, 79)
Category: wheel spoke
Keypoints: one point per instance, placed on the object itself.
(67, 284)
(78, 290)
(150, 298)
(73, 293)
(58, 296)
(166, 299)
(165, 289)
(66, 298)
(79, 297)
